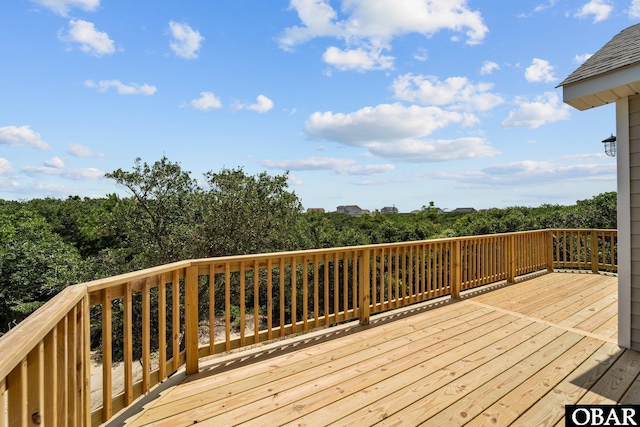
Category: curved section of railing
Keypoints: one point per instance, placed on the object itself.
(96, 347)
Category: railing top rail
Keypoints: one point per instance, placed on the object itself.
(583, 229)
(120, 279)
(19, 341)
(300, 253)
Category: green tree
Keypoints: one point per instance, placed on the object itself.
(160, 217)
(35, 264)
(248, 214)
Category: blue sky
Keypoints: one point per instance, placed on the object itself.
(367, 102)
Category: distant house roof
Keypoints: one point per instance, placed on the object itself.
(463, 210)
(611, 73)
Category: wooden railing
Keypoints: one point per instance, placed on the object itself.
(144, 326)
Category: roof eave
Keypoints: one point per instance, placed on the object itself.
(603, 89)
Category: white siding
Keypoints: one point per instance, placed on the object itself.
(632, 296)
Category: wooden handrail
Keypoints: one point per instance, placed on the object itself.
(156, 315)
(19, 341)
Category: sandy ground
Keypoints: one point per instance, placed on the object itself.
(117, 371)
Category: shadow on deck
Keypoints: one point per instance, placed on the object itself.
(503, 355)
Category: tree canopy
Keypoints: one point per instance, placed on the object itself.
(167, 215)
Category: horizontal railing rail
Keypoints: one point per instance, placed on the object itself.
(96, 347)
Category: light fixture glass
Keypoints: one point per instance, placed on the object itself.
(610, 146)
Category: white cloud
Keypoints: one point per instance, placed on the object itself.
(357, 59)
(385, 122)
(293, 180)
(588, 156)
(600, 9)
(207, 101)
(634, 9)
(91, 40)
(542, 7)
(369, 26)
(421, 55)
(368, 169)
(530, 172)
(54, 162)
(489, 67)
(121, 88)
(544, 109)
(186, 42)
(62, 7)
(458, 92)
(73, 174)
(310, 163)
(262, 105)
(5, 167)
(78, 150)
(339, 166)
(540, 70)
(413, 150)
(579, 59)
(398, 132)
(20, 136)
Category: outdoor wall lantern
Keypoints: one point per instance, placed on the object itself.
(610, 146)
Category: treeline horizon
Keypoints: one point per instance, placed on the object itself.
(47, 244)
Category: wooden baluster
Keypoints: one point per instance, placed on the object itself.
(456, 273)
(242, 304)
(326, 284)
(85, 358)
(282, 296)
(35, 385)
(72, 383)
(305, 294)
(62, 366)
(107, 362)
(212, 310)
(316, 291)
(146, 335)
(594, 252)
(128, 341)
(18, 409)
(256, 301)
(191, 320)
(345, 285)
(269, 299)
(364, 286)
(396, 260)
(336, 288)
(162, 328)
(294, 293)
(175, 321)
(50, 379)
(227, 304)
(354, 282)
(3, 404)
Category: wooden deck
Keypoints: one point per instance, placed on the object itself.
(514, 355)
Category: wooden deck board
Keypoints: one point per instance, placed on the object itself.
(514, 355)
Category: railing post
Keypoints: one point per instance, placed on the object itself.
(456, 269)
(364, 286)
(511, 272)
(594, 252)
(191, 320)
(549, 240)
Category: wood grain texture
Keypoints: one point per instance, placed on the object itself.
(459, 363)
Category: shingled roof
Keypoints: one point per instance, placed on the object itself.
(623, 50)
(611, 74)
